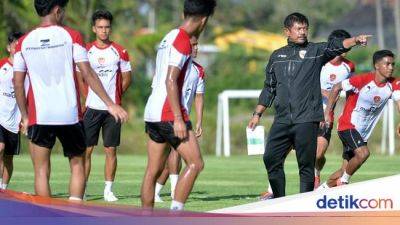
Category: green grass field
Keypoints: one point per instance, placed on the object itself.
(224, 182)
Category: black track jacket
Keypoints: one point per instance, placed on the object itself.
(293, 80)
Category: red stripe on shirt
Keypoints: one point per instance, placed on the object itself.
(182, 43)
(31, 105)
(167, 112)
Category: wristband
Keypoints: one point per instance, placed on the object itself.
(257, 113)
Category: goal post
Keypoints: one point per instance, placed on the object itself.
(223, 137)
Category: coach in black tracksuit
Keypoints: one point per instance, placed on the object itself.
(293, 85)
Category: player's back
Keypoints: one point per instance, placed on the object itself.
(48, 55)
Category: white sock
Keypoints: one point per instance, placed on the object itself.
(158, 188)
(323, 186)
(317, 172)
(72, 198)
(174, 180)
(177, 206)
(345, 178)
(108, 186)
(4, 186)
(270, 189)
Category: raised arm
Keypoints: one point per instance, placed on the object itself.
(336, 47)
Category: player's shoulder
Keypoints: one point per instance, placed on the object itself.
(199, 68)
(90, 45)
(181, 41)
(3, 62)
(70, 30)
(349, 64)
(23, 37)
(363, 77)
(121, 49)
(395, 83)
(75, 34)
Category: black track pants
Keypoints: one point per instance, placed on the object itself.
(303, 138)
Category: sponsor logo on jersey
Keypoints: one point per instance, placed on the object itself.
(282, 56)
(377, 99)
(332, 77)
(302, 53)
(45, 42)
(101, 60)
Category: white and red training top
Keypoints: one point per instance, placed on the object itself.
(174, 50)
(109, 63)
(365, 102)
(332, 74)
(194, 84)
(48, 55)
(10, 116)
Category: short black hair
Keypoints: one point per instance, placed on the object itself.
(199, 7)
(44, 7)
(14, 36)
(102, 14)
(339, 34)
(379, 55)
(295, 18)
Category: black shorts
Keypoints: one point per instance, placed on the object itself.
(94, 120)
(72, 137)
(163, 132)
(351, 140)
(325, 132)
(11, 141)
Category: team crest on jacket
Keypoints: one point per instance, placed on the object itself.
(302, 53)
(377, 99)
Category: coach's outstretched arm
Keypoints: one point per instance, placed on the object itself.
(336, 47)
(173, 97)
(267, 95)
(332, 99)
(94, 83)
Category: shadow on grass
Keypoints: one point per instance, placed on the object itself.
(95, 197)
(196, 196)
(224, 197)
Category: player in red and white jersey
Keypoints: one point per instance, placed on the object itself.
(333, 72)
(10, 116)
(48, 54)
(166, 119)
(192, 91)
(111, 63)
(367, 95)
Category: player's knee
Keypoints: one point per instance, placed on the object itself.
(362, 153)
(111, 155)
(196, 166)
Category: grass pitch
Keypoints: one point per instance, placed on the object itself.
(224, 182)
